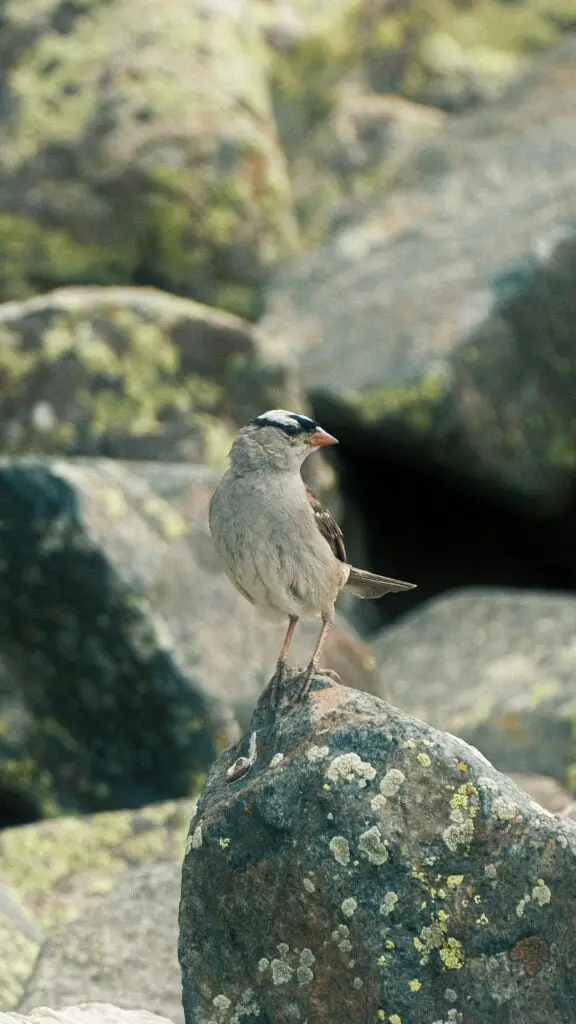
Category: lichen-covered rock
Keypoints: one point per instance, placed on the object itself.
(441, 322)
(20, 942)
(122, 950)
(352, 81)
(84, 1013)
(496, 667)
(131, 373)
(369, 868)
(139, 148)
(91, 877)
(116, 716)
(60, 875)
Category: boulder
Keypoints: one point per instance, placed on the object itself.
(131, 373)
(84, 1013)
(147, 156)
(498, 668)
(122, 950)
(357, 84)
(114, 716)
(371, 868)
(89, 905)
(439, 325)
(20, 943)
(118, 685)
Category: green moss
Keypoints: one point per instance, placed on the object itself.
(33, 255)
(21, 777)
(416, 401)
(40, 860)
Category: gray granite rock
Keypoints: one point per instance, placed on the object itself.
(84, 1013)
(440, 322)
(370, 868)
(121, 166)
(88, 909)
(496, 667)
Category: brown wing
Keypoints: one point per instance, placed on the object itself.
(328, 526)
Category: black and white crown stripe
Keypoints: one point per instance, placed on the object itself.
(292, 423)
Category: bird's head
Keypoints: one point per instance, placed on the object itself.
(279, 439)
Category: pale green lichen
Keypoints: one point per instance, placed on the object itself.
(304, 975)
(221, 1003)
(459, 834)
(424, 759)
(391, 782)
(541, 893)
(340, 849)
(195, 840)
(350, 768)
(379, 805)
(307, 957)
(454, 881)
(349, 906)
(281, 972)
(388, 903)
(263, 964)
(315, 753)
(308, 885)
(276, 759)
(373, 846)
(504, 809)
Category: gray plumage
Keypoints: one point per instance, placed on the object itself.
(283, 551)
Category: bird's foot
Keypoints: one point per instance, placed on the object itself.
(306, 681)
(304, 688)
(277, 683)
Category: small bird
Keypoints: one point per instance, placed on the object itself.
(280, 547)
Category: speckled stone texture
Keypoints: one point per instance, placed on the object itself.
(139, 146)
(88, 909)
(84, 1013)
(131, 373)
(110, 716)
(498, 668)
(370, 868)
(442, 317)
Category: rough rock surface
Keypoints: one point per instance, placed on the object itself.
(115, 719)
(84, 1013)
(442, 320)
(121, 165)
(345, 75)
(498, 668)
(122, 950)
(131, 373)
(96, 897)
(370, 868)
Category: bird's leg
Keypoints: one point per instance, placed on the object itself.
(304, 687)
(280, 674)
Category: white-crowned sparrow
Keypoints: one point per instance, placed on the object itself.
(280, 547)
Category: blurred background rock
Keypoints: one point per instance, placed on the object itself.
(365, 209)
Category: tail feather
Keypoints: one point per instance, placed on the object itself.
(366, 584)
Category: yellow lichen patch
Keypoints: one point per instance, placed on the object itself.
(41, 862)
(452, 954)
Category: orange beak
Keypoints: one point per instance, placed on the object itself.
(321, 438)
